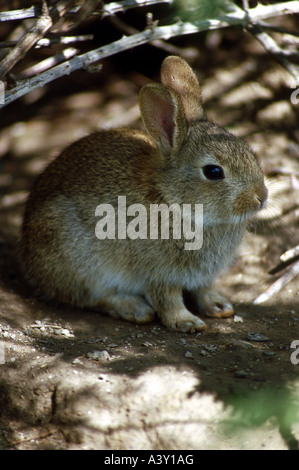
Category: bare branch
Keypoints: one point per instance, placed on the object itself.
(49, 62)
(47, 42)
(43, 24)
(23, 14)
(245, 4)
(272, 47)
(107, 10)
(286, 259)
(84, 61)
(190, 52)
(277, 29)
(117, 7)
(278, 284)
(290, 254)
(7, 44)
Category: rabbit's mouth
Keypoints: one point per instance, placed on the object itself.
(248, 203)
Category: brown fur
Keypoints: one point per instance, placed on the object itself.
(133, 279)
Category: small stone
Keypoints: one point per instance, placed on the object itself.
(99, 355)
(66, 332)
(241, 343)
(189, 355)
(210, 347)
(203, 352)
(241, 374)
(76, 361)
(269, 353)
(94, 340)
(238, 319)
(257, 337)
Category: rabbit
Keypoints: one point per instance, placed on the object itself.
(182, 159)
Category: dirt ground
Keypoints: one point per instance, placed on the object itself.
(74, 379)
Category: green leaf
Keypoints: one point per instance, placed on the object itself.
(196, 10)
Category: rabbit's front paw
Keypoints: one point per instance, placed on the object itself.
(183, 321)
(215, 305)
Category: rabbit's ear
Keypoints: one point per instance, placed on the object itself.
(163, 116)
(178, 75)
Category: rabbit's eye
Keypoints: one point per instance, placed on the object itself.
(213, 172)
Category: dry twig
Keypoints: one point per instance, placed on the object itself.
(36, 438)
(106, 10)
(272, 47)
(43, 24)
(47, 42)
(278, 284)
(278, 29)
(88, 59)
(290, 254)
(46, 64)
(286, 259)
(188, 53)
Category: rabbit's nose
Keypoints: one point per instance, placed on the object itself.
(261, 197)
(260, 201)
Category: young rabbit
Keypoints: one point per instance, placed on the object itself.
(185, 160)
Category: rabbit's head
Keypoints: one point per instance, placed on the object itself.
(200, 161)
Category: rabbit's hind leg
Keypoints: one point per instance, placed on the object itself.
(128, 307)
(213, 304)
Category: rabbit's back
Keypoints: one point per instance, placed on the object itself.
(58, 244)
